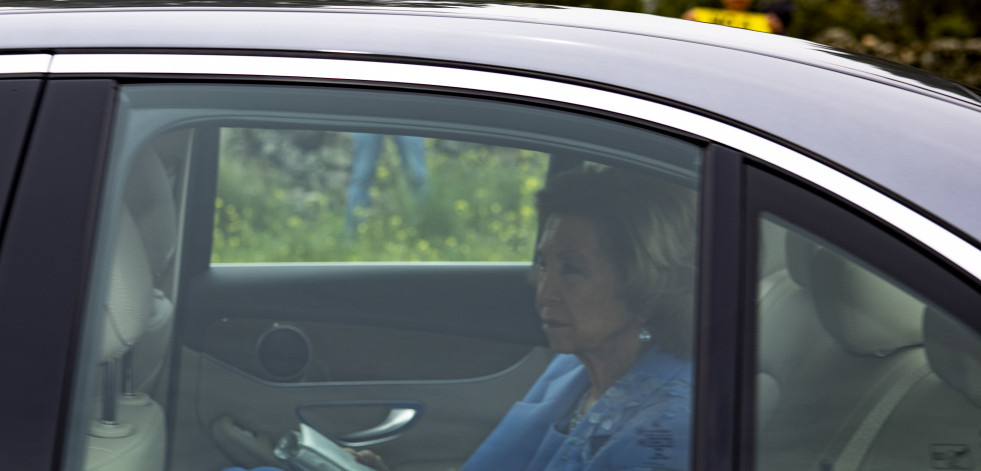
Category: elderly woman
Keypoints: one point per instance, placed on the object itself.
(614, 270)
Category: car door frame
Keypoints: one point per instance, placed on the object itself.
(45, 261)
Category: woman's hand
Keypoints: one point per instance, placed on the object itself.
(368, 458)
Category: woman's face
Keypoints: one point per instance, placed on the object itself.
(578, 296)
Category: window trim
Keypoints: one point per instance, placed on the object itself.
(960, 252)
(16, 64)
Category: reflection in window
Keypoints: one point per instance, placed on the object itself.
(305, 196)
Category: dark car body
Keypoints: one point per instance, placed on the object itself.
(894, 148)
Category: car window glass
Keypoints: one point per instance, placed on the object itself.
(252, 293)
(855, 370)
(314, 196)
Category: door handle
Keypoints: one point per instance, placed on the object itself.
(397, 421)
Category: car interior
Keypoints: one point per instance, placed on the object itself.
(208, 364)
(855, 370)
(294, 341)
(200, 365)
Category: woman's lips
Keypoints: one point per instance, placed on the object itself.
(553, 324)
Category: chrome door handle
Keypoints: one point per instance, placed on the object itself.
(390, 429)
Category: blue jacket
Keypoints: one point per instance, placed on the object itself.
(642, 422)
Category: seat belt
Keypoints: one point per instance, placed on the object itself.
(854, 452)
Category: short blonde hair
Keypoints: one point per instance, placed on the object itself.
(649, 230)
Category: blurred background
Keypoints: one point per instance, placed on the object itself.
(941, 36)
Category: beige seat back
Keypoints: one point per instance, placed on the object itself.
(149, 197)
(789, 326)
(127, 433)
(829, 369)
(938, 421)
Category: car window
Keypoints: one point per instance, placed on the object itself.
(389, 270)
(317, 196)
(860, 365)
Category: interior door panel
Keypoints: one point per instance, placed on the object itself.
(449, 346)
(492, 300)
(347, 352)
(457, 414)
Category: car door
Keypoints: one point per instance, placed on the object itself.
(405, 324)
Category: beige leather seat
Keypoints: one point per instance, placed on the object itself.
(834, 342)
(935, 423)
(789, 325)
(127, 433)
(149, 197)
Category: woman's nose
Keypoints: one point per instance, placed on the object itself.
(548, 292)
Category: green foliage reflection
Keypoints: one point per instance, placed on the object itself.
(478, 205)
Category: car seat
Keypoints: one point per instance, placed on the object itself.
(833, 372)
(936, 422)
(127, 432)
(149, 197)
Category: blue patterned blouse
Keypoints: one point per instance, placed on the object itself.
(642, 422)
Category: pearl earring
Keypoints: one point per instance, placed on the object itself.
(645, 335)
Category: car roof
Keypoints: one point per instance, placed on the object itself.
(906, 131)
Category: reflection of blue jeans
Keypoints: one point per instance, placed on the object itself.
(367, 148)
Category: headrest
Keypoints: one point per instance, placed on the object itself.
(129, 301)
(772, 251)
(800, 252)
(954, 352)
(865, 313)
(151, 201)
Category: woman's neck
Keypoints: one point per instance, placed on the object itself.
(605, 367)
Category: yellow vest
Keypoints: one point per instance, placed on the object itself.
(738, 19)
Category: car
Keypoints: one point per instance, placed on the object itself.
(231, 229)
